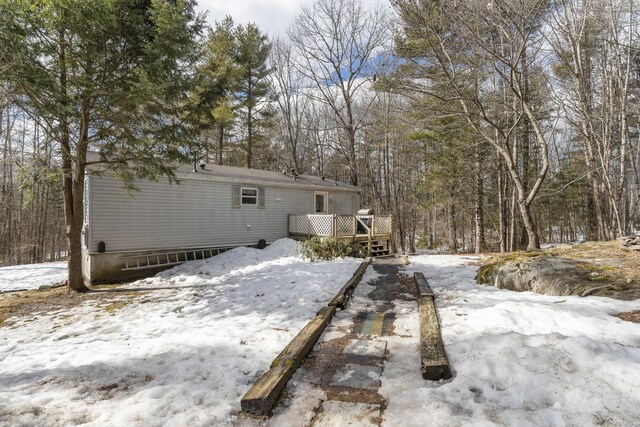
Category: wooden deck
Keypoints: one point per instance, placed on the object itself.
(366, 229)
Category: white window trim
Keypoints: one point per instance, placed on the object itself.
(242, 196)
(86, 213)
(326, 202)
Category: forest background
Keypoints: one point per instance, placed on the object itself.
(479, 125)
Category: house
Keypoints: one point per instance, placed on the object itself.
(212, 209)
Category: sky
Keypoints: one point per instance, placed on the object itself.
(272, 16)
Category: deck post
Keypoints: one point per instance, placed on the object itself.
(334, 226)
(370, 234)
(355, 227)
(390, 233)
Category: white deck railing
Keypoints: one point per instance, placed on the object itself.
(341, 226)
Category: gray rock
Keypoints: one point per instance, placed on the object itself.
(543, 274)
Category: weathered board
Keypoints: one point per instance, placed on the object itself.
(433, 358)
(344, 294)
(424, 289)
(262, 397)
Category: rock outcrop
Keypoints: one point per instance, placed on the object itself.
(630, 243)
(547, 275)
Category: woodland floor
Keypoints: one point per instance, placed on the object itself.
(23, 304)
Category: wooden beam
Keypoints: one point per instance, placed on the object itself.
(262, 397)
(433, 357)
(424, 290)
(344, 294)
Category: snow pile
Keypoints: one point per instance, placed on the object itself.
(234, 262)
(32, 276)
(182, 353)
(518, 358)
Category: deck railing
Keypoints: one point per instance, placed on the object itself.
(341, 226)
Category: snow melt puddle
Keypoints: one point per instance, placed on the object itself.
(183, 353)
(517, 358)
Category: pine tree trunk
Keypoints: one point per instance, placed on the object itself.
(451, 219)
(249, 137)
(220, 142)
(73, 186)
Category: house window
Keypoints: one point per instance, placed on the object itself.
(249, 196)
(321, 202)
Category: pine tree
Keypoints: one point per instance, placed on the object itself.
(254, 89)
(216, 82)
(110, 75)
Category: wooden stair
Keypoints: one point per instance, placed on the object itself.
(377, 249)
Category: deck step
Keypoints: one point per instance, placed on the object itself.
(379, 252)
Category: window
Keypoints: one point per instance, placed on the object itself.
(249, 196)
(321, 203)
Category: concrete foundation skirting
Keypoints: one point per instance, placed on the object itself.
(263, 395)
(110, 267)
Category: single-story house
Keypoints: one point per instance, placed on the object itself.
(212, 209)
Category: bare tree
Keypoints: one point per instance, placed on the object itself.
(595, 43)
(292, 102)
(336, 43)
(476, 49)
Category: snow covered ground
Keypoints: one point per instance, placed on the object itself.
(182, 353)
(32, 276)
(186, 350)
(518, 359)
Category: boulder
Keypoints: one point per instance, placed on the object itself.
(630, 243)
(547, 275)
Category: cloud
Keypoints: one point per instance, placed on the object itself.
(272, 16)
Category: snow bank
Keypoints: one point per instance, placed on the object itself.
(518, 358)
(182, 353)
(32, 276)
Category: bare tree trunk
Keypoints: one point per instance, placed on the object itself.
(502, 207)
(480, 244)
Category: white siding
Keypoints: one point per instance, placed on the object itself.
(195, 213)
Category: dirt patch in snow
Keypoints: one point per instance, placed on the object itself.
(630, 316)
(21, 304)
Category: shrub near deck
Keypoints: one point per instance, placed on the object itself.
(325, 249)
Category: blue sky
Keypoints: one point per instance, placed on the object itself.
(272, 16)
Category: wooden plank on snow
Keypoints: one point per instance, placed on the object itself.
(344, 294)
(433, 358)
(424, 289)
(262, 397)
